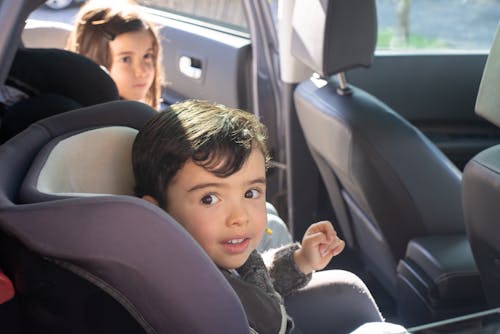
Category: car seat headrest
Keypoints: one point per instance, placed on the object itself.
(70, 168)
(89, 163)
(45, 82)
(488, 99)
(319, 37)
(43, 70)
(83, 151)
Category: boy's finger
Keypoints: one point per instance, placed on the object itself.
(316, 238)
(327, 228)
(336, 247)
(339, 247)
(323, 250)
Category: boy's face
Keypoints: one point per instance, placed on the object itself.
(227, 216)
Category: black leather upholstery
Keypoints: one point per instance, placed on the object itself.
(91, 264)
(324, 45)
(393, 182)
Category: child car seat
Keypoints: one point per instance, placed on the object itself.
(103, 264)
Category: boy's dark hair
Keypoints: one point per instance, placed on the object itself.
(213, 136)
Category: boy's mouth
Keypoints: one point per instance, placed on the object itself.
(236, 245)
(236, 241)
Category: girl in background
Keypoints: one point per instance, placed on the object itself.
(117, 37)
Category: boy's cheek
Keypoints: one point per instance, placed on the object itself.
(261, 224)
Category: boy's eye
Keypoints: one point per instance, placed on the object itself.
(252, 193)
(209, 199)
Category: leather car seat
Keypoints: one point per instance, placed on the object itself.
(392, 190)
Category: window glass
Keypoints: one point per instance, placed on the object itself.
(228, 13)
(437, 24)
(402, 24)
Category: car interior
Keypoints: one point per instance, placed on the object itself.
(382, 138)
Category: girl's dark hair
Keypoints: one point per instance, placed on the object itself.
(213, 136)
(98, 22)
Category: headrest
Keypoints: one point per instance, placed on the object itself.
(83, 151)
(40, 71)
(488, 99)
(331, 36)
(89, 163)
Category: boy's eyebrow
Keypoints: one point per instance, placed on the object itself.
(203, 185)
(261, 180)
(258, 180)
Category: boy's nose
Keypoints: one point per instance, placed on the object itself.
(238, 216)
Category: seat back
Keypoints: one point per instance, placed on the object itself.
(50, 81)
(101, 264)
(386, 181)
(481, 185)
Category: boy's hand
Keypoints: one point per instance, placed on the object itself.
(319, 245)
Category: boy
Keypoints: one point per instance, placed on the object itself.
(205, 164)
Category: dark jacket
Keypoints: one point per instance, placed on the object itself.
(261, 288)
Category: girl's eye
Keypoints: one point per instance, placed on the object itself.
(126, 59)
(209, 199)
(149, 56)
(252, 193)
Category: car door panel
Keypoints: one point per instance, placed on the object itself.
(204, 63)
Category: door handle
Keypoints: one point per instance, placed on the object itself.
(190, 67)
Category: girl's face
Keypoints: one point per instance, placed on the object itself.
(133, 64)
(227, 216)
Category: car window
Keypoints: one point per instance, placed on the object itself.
(437, 24)
(402, 24)
(227, 13)
(434, 24)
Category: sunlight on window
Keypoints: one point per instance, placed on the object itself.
(437, 24)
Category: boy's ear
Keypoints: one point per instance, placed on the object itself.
(150, 199)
